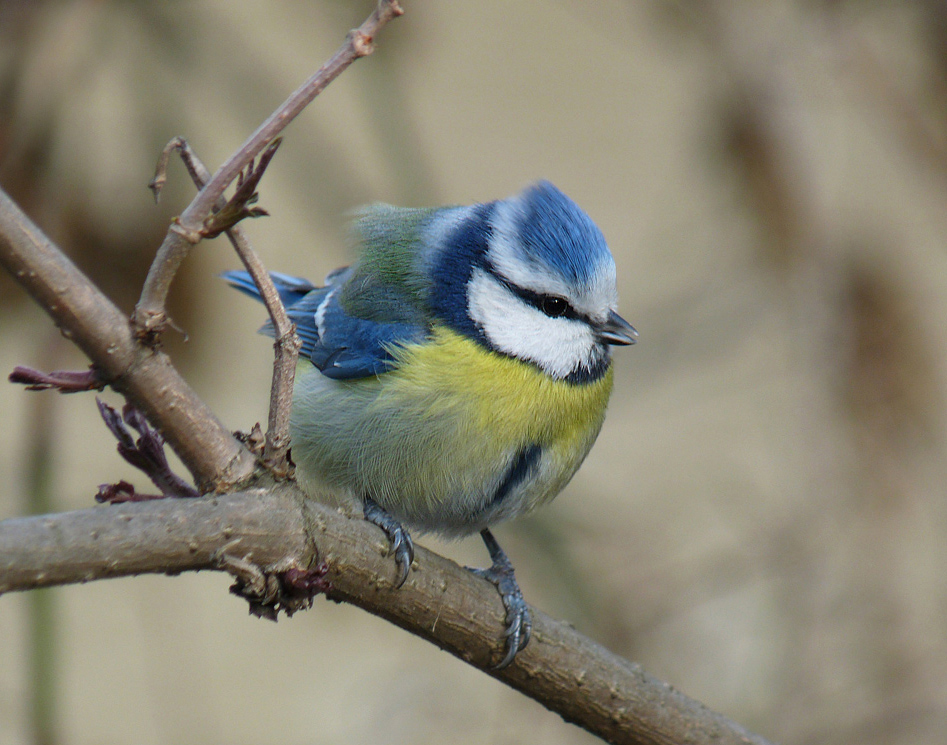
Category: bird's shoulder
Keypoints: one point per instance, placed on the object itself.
(349, 327)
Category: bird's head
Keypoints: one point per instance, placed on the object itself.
(538, 284)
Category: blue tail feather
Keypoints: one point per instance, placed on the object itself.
(291, 289)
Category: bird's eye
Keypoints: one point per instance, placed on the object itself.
(553, 306)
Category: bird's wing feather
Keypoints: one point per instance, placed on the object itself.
(342, 345)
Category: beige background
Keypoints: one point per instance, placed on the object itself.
(762, 522)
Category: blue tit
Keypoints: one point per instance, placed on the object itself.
(457, 374)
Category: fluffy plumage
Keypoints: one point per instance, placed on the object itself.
(460, 369)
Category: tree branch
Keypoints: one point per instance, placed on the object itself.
(441, 602)
(145, 376)
(185, 232)
(286, 344)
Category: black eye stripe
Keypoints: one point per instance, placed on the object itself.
(553, 306)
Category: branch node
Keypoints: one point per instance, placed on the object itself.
(189, 234)
(362, 44)
(285, 586)
(253, 439)
(237, 207)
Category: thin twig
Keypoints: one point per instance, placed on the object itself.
(145, 376)
(150, 316)
(441, 602)
(287, 344)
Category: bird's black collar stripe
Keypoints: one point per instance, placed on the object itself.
(519, 470)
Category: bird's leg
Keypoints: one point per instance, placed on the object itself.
(399, 539)
(519, 625)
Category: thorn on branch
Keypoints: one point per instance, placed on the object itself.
(64, 381)
(273, 589)
(146, 454)
(237, 207)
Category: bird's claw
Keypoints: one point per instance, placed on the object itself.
(400, 544)
(519, 622)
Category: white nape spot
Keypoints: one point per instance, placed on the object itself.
(320, 316)
(557, 345)
(441, 226)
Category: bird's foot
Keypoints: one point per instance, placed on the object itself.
(399, 540)
(519, 624)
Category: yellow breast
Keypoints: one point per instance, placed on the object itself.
(514, 400)
(432, 439)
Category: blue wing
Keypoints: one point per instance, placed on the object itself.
(340, 345)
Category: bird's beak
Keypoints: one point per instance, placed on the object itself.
(617, 331)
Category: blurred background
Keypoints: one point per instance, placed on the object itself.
(762, 522)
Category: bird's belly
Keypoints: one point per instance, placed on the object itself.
(453, 439)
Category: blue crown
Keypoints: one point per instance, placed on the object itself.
(555, 231)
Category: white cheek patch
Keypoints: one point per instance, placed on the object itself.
(557, 345)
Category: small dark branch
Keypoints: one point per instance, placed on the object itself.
(150, 315)
(237, 207)
(64, 381)
(146, 454)
(276, 447)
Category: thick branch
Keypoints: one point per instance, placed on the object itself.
(186, 231)
(441, 602)
(102, 331)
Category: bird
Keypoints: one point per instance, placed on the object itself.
(457, 374)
